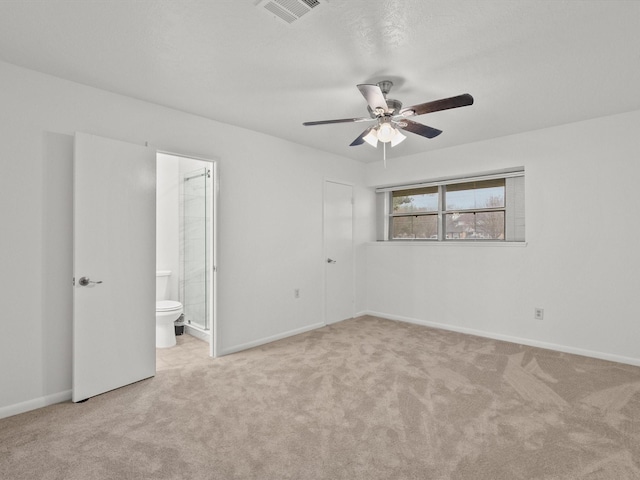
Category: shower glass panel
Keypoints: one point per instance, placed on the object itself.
(196, 192)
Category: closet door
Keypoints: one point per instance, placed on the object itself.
(338, 247)
(114, 265)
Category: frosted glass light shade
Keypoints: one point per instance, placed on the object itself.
(371, 138)
(386, 132)
(397, 138)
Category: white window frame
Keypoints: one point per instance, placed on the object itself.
(514, 206)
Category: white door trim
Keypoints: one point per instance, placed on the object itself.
(214, 341)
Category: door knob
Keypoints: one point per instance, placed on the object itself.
(85, 281)
(331, 260)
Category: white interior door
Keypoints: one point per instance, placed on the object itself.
(338, 247)
(114, 248)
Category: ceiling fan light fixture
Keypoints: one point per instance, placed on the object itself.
(371, 138)
(397, 138)
(386, 132)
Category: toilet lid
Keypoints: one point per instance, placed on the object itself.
(166, 305)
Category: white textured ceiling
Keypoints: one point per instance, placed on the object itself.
(528, 63)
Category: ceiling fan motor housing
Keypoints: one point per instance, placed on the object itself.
(385, 86)
(393, 105)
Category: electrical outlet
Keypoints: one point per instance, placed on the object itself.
(538, 313)
(296, 293)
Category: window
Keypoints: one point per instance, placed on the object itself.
(475, 210)
(415, 213)
(486, 207)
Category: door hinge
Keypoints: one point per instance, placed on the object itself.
(73, 281)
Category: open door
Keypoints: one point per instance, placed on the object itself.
(114, 265)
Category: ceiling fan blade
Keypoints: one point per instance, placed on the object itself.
(360, 139)
(374, 97)
(437, 105)
(419, 129)
(341, 120)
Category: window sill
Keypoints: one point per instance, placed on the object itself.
(449, 243)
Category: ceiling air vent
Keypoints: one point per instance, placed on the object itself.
(288, 10)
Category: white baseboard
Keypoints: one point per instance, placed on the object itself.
(273, 338)
(35, 403)
(508, 338)
(196, 332)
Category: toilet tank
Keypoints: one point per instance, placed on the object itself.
(162, 285)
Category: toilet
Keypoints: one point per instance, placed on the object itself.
(167, 311)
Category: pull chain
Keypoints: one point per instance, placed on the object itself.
(384, 154)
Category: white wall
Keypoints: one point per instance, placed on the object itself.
(270, 223)
(167, 220)
(581, 262)
(580, 181)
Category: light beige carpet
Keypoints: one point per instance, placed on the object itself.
(363, 399)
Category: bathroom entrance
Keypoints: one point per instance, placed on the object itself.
(185, 241)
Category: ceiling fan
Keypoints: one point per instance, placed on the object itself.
(390, 117)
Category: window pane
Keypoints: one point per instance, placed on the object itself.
(490, 225)
(466, 196)
(458, 226)
(416, 200)
(418, 226)
(475, 226)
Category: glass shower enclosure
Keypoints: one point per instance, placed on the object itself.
(195, 241)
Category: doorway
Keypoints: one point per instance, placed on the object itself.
(186, 204)
(338, 248)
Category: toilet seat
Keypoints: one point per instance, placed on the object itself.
(167, 306)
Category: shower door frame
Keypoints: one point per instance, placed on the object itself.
(195, 246)
(212, 303)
